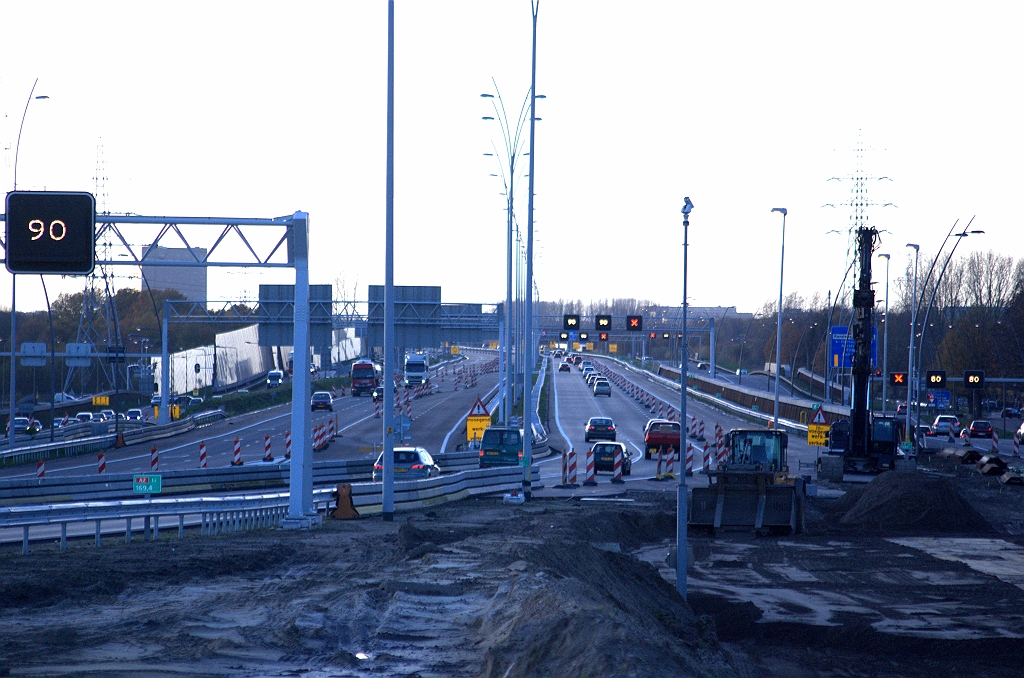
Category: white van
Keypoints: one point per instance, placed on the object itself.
(274, 378)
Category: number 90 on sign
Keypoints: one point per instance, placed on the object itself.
(50, 232)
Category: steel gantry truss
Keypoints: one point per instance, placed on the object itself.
(281, 242)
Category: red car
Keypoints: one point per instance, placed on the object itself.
(980, 429)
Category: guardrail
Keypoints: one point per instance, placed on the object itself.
(83, 440)
(217, 515)
(255, 477)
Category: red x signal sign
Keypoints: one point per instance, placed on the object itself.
(898, 378)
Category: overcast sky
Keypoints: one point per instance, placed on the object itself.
(260, 109)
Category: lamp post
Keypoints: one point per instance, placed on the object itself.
(530, 354)
(913, 326)
(778, 337)
(792, 376)
(14, 311)
(513, 140)
(920, 347)
(885, 339)
(687, 207)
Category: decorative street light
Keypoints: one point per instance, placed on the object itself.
(687, 207)
(885, 340)
(913, 326)
(778, 337)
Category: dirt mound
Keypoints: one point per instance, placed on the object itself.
(902, 500)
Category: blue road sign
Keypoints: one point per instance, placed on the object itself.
(939, 398)
(842, 347)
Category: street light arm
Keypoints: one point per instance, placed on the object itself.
(17, 146)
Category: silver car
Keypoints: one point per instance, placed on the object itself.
(411, 463)
(602, 387)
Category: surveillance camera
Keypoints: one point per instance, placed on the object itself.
(687, 206)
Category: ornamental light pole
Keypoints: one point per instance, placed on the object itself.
(687, 207)
(530, 354)
(14, 310)
(778, 336)
(913, 326)
(885, 339)
(513, 141)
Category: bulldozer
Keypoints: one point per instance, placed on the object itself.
(752, 490)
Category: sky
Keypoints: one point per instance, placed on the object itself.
(261, 109)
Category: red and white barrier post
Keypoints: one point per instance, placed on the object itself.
(154, 460)
(330, 428)
(267, 456)
(202, 454)
(617, 467)
(591, 472)
(707, 457)
(572, 467)
(995, 441)
(661, 461)
(700, 431)
(101, 463)
(670, 464)
(689, 459)
(40, 469)
(237, 458)
(287, 444)
(1016, 444)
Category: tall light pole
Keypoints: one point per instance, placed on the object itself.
(687, 207)
(513, 141)
(913, 326)
(530, 354)
(885, 339)
(778, 336)
(14, 309)
(935, 289)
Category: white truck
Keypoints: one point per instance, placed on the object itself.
(416, 370)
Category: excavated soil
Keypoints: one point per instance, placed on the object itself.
(551, 588)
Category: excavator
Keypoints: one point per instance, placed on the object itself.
(752, 490)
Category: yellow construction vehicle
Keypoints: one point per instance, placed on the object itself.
(752, 490)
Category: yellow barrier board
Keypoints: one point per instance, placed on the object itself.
(817, 434)
(101, 400)
(613, 348)
(455, 350)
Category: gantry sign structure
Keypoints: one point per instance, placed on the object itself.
(41, 239)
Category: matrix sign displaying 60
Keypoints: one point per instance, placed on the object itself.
(51, 232)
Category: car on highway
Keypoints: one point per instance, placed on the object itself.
(592, 377)
(1011, 412)
(602, 387)
(584, 364)
(411, 463)
(660, 434)
(63, 397)
(702, 366)
(21, 425)
(501, 446)
(604, 457)
(108, 415)
(587, 370)
(84, 417)
(321, 400)
(564, 367)
(133, 414)
(378, 394)
(98, 417)
(979, 428)
(599, 428)
(946, 424)
(901, 409)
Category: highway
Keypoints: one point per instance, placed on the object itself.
(357, 430)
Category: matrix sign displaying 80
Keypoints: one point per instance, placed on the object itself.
(51, 232)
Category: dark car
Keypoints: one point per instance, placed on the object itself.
(564, 367)
(411, 463)
(378, 394)
(321, 400)
(604, 457)
(980, 429)
(501, 446)
(901, 408)
(599, 428)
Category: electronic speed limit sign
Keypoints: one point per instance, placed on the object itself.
(50, 232)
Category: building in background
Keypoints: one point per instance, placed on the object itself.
(190, 281)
